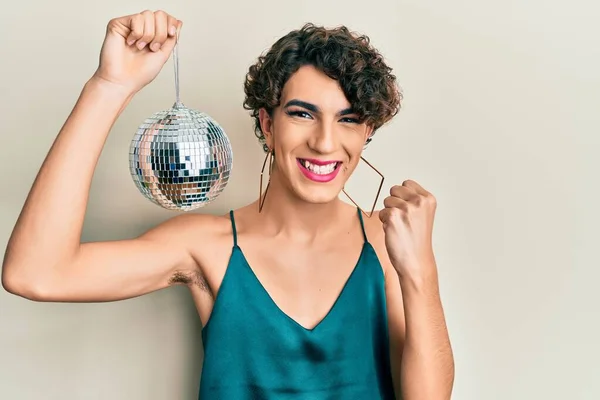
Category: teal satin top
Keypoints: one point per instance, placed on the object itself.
(254, 351)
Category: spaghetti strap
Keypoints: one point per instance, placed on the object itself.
(362, 224)
(233, 228)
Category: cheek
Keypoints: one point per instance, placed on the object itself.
(358, 134)
(354, 144)
(289, 136)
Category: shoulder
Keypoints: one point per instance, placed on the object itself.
(191, 227)
(205, 239)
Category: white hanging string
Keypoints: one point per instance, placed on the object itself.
(176, 66)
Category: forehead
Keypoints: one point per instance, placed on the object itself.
(313, 86)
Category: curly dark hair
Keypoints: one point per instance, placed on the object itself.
(366, 80)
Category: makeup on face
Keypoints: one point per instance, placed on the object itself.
(319, 170)
(316, 110)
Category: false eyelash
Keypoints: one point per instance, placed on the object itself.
(296, 113)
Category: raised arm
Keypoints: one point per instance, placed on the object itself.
(45, 259)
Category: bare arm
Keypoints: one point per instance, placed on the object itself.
(45, 259)
(421, 355)
(420, 350)
(427, 366)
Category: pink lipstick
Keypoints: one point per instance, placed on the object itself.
(317, 170)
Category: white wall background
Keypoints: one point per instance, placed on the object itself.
(500, 121)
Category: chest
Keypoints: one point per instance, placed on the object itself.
(304, 282)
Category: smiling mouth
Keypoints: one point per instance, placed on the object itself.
(319, 171)
(319, 167)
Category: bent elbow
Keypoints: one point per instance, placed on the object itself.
(22, 286)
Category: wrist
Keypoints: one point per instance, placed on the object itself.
(105, 87)
(418, 282)
(421, 277)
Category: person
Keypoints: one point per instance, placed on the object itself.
(301, 295)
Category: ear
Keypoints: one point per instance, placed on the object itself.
(266, 125)
(369, 132)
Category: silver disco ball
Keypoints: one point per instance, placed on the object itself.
(180, 159)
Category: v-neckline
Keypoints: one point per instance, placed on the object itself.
(280, 311)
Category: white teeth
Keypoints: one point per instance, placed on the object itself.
(320, 169)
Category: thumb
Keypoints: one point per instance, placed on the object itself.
(171, 41)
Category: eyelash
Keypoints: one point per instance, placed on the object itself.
(302, 114)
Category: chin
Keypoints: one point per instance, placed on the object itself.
(318, 196)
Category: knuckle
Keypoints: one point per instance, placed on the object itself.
(149, 26)
(137, 24)
(384, 215)
(138, 19)
(395, 213)
(403, 206)
(111, 26)
(160, 31)
(148, 33)
(137, 32)
(428, 197)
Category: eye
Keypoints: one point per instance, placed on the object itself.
(298, 113)
(350, 120)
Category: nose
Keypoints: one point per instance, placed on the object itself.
(324, 139)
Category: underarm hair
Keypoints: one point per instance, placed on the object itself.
(195, 278)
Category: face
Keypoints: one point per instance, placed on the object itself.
(316, 137)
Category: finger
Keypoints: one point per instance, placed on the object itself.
(416, 187)
(136, 25)
(403, 192)
(148, 35)
(173, 25)
(423, 195)
(120, 25)
(169, 44)
(383, 216)
(387, 215)
(160, 30)
(395, 202)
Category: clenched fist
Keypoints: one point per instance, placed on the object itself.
(408, 226)
(136, 48)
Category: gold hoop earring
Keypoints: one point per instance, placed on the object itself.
(376, 196)
(261, 195)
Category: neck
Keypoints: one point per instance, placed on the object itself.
(285, 214)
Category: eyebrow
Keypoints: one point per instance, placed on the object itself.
(313, 107)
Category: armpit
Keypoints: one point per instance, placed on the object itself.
(195, 278)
